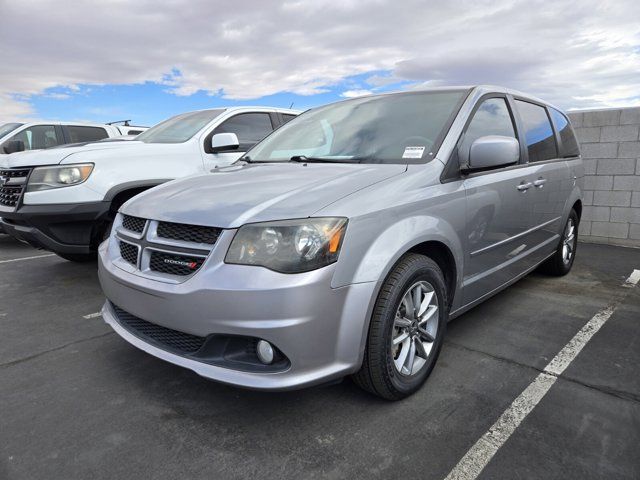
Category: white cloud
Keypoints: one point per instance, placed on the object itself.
(576, 54)
(355, 93)
(14, 109)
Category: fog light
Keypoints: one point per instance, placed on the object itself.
(265, 352)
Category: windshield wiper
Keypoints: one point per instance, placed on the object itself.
(305, 159)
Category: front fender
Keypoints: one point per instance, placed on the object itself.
(362, 261)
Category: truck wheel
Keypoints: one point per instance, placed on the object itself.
(562, 260)
(406, 331)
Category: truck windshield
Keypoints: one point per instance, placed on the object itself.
(396, 128)
(180, 128)
(8, 128)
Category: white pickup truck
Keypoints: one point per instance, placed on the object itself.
(64, 199)
(18, 137)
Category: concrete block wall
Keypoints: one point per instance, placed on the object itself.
(610, 144)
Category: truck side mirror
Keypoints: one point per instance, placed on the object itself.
(493, 151)
(13, 146)
(224, 141)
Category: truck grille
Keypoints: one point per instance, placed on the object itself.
(188, 233)
(174, 250)
(12, 186)
(134, 224)
(165, 338)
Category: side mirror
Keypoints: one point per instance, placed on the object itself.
(13, 146)
(224, 141)
(493, 151)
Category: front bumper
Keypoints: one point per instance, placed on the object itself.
(321, 330)
(61, 228)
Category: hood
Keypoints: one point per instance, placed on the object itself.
(232, 196)
(54, 156)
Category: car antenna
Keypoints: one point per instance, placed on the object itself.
(291, 106)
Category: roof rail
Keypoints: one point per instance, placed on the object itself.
(125, 123)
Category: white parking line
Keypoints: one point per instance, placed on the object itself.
(27, 258)
(92, 315)
(478, 456)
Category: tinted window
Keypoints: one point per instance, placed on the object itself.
(569, 147)
(37, 137)
(180, 128)
(541, 143)
(286, 118)
(249, 127)
(79, 134)
(398, 128)
(491, 118)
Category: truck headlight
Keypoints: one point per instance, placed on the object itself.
(288, 246)
(46, 178)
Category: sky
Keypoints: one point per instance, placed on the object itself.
(147, 60)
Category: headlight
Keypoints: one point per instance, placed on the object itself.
(46, 178)
(289, 246)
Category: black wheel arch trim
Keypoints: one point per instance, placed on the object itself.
(123, 187)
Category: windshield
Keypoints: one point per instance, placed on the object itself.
(180, 128)
(397, 128)
(9, 127)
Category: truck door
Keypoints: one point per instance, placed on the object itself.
(250, 128)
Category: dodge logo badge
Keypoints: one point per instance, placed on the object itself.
(182, 263)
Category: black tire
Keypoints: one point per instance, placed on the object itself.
(557, 264)
(378, 374)
(79, 257)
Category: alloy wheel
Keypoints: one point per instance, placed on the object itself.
(569, 242)
(415, 328)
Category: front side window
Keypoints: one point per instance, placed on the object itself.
(567, 136)
(38, 137)
(80, 134)
(398, 128)
(541, 143)
(180, 128)
(491, 118)
(249, 127)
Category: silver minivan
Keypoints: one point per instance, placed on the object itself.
(344, 242)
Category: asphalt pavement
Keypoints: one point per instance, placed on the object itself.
(78, 402)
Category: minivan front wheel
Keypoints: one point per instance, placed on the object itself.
(407, 329)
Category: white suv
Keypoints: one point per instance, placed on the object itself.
(18, 137)
(65, 199)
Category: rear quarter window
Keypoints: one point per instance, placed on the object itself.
(80, 134)
(539, 136)
(568, 142)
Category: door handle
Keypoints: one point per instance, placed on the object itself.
(524, 186)
(540, 182)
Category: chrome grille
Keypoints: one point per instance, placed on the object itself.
(174, 251)
(12, 186)
(134, 224)
(129, 252)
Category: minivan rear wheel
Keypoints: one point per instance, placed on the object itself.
(406, 330)
(562, 260)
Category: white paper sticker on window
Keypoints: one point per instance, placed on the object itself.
(413, 152)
